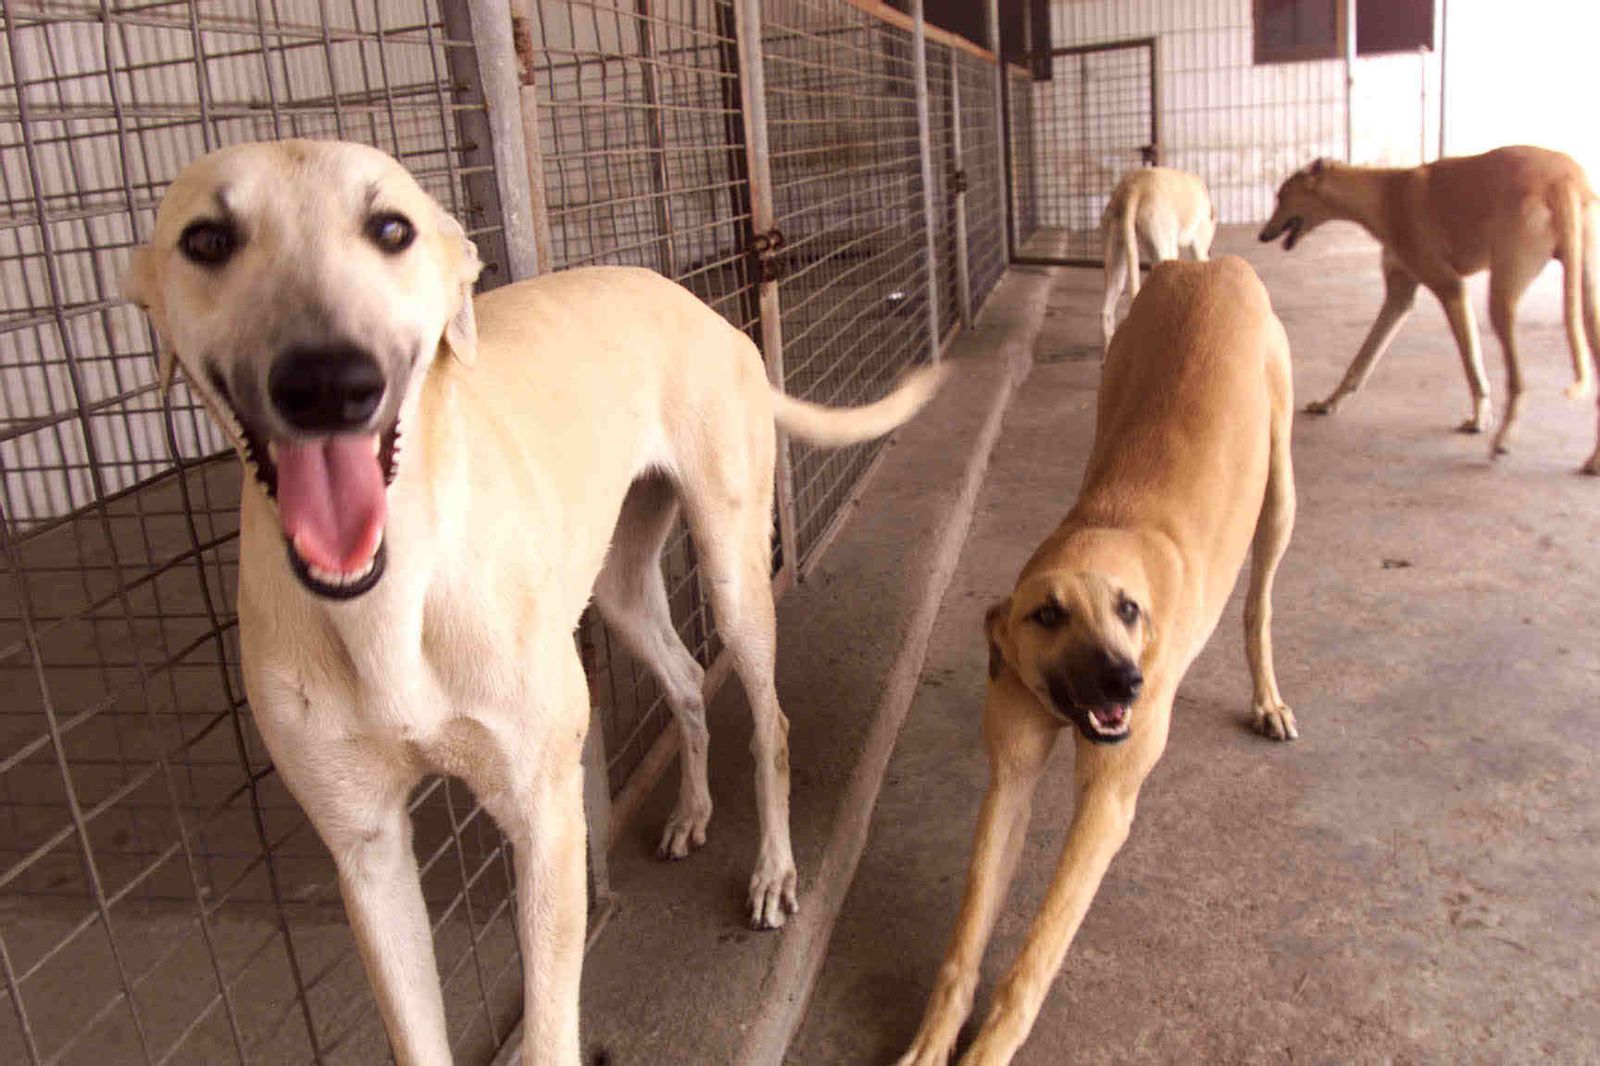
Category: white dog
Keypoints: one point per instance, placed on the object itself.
(1168, 210)
(420, 531)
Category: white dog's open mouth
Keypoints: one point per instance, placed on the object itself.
(332, 497)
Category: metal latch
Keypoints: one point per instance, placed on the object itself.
(765, 249)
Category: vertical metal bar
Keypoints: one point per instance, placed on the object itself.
(919, 72)
(1349, 9)
(992, 21)
(763, 218)
(655, 136)
(1155, 102)
(1441, 25)
(533, 163)
(958, 184)
(500, 123)
(1007, 179)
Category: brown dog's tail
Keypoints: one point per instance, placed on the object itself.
(834, 427)
(1130, 240)
(1579, 252)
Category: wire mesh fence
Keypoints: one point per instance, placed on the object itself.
(162, 897)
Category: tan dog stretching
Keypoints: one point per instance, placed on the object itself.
(1509, 211)
(1190, 466)
(1167, 211)
(407, 610)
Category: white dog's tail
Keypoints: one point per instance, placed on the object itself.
(1130, 239)
(834, 427)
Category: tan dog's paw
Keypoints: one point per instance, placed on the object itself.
(774, 891)
(1276, 721)
(685, 831)
(1476, 424)
(1579, 390)
(927, 1052)
(1322, 407)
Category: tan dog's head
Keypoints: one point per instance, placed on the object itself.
(1301, 207)
(305, 287)
(1077, 641)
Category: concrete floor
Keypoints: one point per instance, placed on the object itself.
(1418, 878)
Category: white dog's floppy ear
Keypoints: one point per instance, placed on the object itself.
(461, 332)
(139, 286)
(994, 628)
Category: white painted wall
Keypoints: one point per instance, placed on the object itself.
(1243, 127)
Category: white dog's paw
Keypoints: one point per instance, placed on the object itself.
(1276, 721)
(774, 890)
(1579, 390)
(1592, 467)
(685, 831)
(1322, 407)
(1478, 423)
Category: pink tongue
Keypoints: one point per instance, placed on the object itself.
(331, 500)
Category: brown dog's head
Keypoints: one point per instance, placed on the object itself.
(305, 287)
(1078, 642)
(1301, 207)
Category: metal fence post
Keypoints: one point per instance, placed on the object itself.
(521, 27)
(919, 66)
(497, 78)
(958, 184)
(1001, 87)
(656, 135)
(763, 220)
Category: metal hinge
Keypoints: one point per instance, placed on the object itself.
(764, 249)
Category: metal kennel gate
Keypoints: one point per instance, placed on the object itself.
(1092, 120)
(162, 898)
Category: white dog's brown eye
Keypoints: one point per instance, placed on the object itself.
(392, 233)
(1049, 616)
(1128, 611)
(209, 243)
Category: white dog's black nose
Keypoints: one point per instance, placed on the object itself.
(326, 389)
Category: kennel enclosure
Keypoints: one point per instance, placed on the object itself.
(827, 175)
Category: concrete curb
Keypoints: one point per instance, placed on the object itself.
(789, 982)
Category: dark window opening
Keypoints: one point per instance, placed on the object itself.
(1290, 31)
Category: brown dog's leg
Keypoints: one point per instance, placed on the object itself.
(1108, 782)
(1273, 717)
(1019, 736)
(1400, 293)
(1509, 276)
(1458, 309)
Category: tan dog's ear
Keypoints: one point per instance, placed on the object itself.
(1317, 166)
(461, 332)
(140, 286)
(995, 628)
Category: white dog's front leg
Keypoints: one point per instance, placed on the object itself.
(383, 899)
(356, 799)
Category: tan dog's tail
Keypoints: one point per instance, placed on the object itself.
(1576, 246)
(834, 427)
(1130, 240)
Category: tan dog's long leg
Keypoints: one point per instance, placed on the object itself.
(1273, 717)
(357, 801)
(541, 813)
(1116, 278)
(734, 543)
(1019, 736)
(1400, 293)
(1458, 309)
(1108, 782)
(1509, 277)
(632, 596)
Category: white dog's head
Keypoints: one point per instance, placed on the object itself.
(306, 287)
